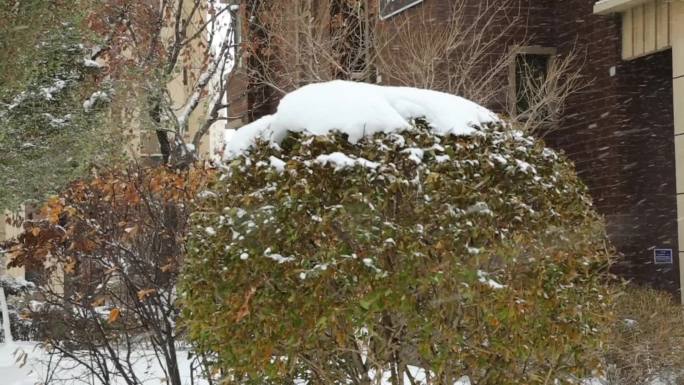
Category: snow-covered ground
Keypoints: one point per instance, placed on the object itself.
(12, 370)
(26, 363)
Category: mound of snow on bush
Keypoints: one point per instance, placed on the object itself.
(358, 110)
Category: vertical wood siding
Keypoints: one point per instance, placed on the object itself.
(646, 29)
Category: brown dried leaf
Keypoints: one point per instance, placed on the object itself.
(244, 309)
(144, 293)
(114, 315)
(98, 302)
(70, 265)
(168, 267)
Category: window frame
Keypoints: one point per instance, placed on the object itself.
(550, 52)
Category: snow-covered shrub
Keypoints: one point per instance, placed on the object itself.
(398, 255)
(23, 329)
(16, 290)
(16, 286)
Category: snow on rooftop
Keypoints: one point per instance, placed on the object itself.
(358, 110)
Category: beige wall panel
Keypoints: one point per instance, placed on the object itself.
(680, 218)
(677, 42)
(650, 19)
(678, 98)
(680, 226)
(677, 37)
(627, 35)
(681, 274)
(679, 160)
(638, 28)
(662, 24)
(647, 28)
(8, 232)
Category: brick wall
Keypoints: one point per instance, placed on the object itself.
(646, 153)
(238, 91)
(619, 134)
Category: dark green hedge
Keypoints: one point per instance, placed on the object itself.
(478, 256)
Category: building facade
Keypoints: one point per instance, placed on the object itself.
(624, 130)
(8, 230)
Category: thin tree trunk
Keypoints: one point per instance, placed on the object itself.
(164, 145)
(172, 360)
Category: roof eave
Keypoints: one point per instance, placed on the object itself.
(605, 7)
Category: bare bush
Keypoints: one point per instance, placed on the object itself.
(309, 42)
(545, 97)
(461, 55)
(110, 249)
(471, 53)
(647, 342)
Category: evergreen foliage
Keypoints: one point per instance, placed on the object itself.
(24, 24)
(49, 135)
(329, 262)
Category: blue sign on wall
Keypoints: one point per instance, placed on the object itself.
(662, 256)
(389, 8)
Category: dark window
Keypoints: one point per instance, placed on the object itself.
(531, 71)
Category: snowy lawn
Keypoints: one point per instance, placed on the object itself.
(26, 363)
(13, 371)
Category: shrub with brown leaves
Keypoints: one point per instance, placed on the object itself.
(109, 249)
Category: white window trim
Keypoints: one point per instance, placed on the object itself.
(398, 11)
